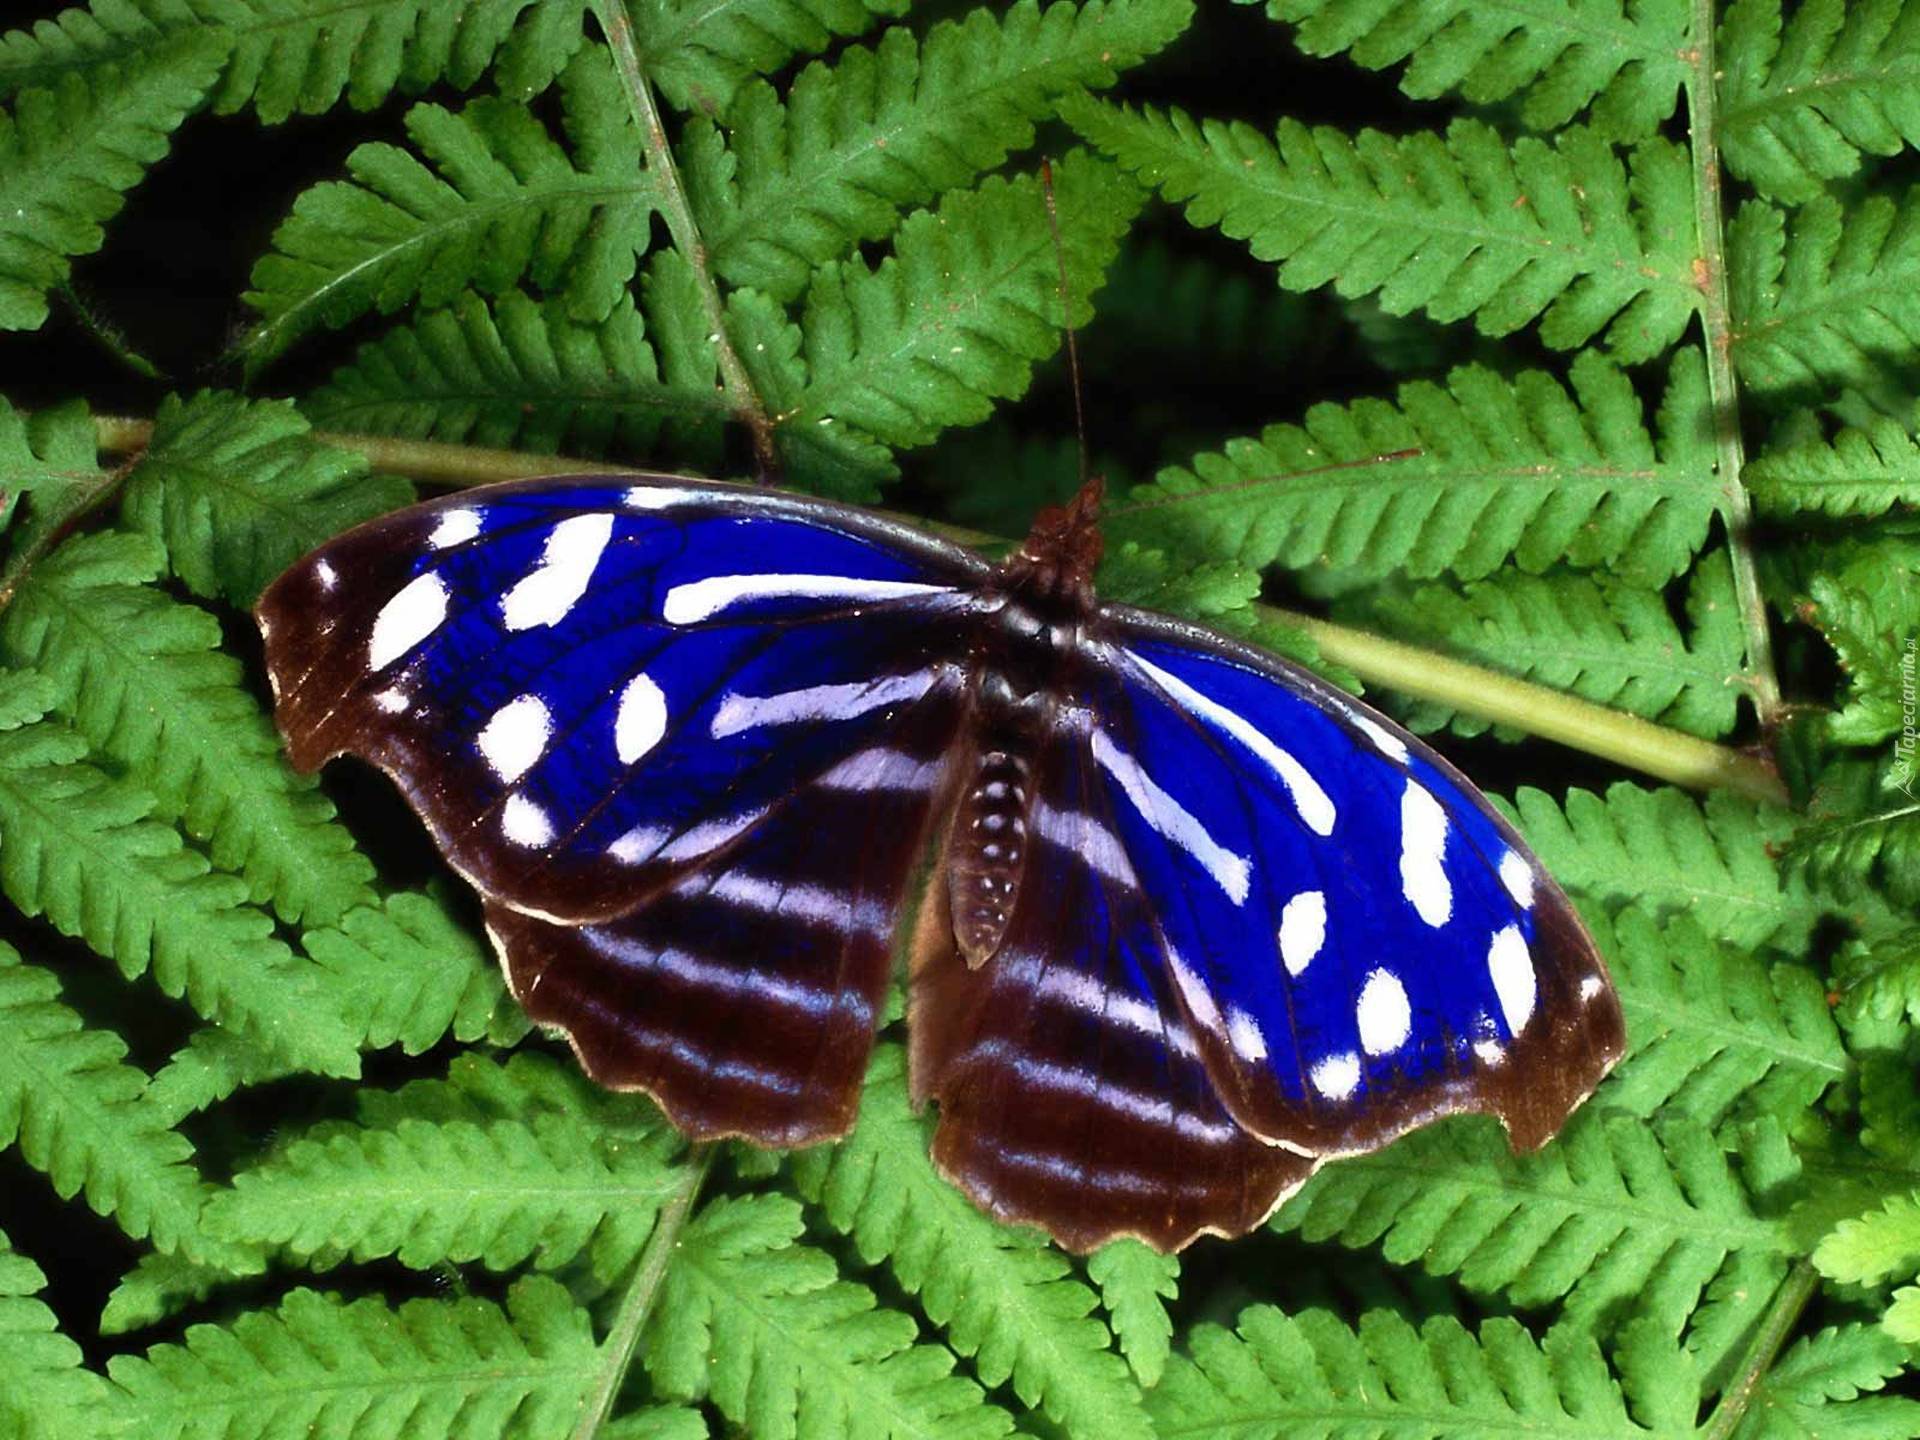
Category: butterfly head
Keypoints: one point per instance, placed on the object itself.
(1057, 559)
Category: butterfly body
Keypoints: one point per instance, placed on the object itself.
(1196, 921)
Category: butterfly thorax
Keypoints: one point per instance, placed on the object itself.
(1021, 675)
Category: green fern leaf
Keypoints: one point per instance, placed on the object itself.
(48, 456)
(519, 374)
(1002, 1297)
(657, 1422)
(237, 490)
(503, 1194)
(1469, 224)
(1870, 614)
(1713, 861)
(796, 184)
(142, 678)
(766, 1330)
(1882, 1245)
(479, 1089)
(1518, 469)
(1863, 472)
(1853, 854)
(206, 1070)
(1816, 1388)
(700, 54)
(45, 1389)
(1558, 56)
(1826, 299)
(69, 154)
(1313, 1377)
(73, 1105)
(1803, 96)
(157, 1287)
(1135, 1284)
(1713, 1026)
(78, 849)
(1616, 1215)
(1879, 979)
(1612, 644)
(317, 1365)
(496, 199)
(299, 57)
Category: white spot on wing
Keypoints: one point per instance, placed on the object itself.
(637, 844)
(1384, 1015)
(1194, 991)
(324, 572)
(1303, 929)
(393, 702)
(414, 613)
(641, 719)
(818, 702)
(1384, 740)
(1243, 1033)
(1511, 966)
(1173, 820)
(1517, 875)
(1590, 987)
(1081, 991)
(701, 599)
(547, 594)
(1337, 1076)
(456, 527)
(656, 497)
(1314, 805)
(1423, 850)
(882, 768)
(813, 903)
(524, 822)
(514, 736)
(1086, 837)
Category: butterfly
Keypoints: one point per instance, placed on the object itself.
(1181, 921)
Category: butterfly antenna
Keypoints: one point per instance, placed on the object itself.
(1066, 322)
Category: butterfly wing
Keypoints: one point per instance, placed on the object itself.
(586, 685)
(1073, 1091)
(1361, 943)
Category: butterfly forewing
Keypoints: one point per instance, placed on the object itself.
(583, 685)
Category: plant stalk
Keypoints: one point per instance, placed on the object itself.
(637, 1304)
(1800, 1286)
(742, 398)
(1716, 318)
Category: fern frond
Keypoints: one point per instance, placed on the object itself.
(1803, 96)
(1135, 1284)
(1869, 612)
(78, 849)
(157, 1287)
(69, 154)
(518, 373)
(1870, 1249)
(700, 54)
(543, 1189)
(1853, 853)
(49, 451)
(1617, 1216)
(45, 1388)
(1311, 1376)
(657, 1422)
(1861, 473)
(764, 1328)
(143, 678)
(206, 1070)
(1002, 1297)
(317, 1365)
(406, 973)
(1712, 860)
(237, 490)
(1879, 979)
(1613, 644)
(74, 1105)
(1714, 1026)
(496, 199)
(300, 57)
(1822, 1385)
(1559, 57)
(1827, 298)
(1517, 469)
(478, 1089)
(798, 183)
(1470, 224)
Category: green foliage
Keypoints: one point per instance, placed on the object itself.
(1575, 384)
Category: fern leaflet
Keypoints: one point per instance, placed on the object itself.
(1002, 1298)
(1851, 853)
(1863, 473)
(797, 184)
(1467, 224)
(1558, 56)
(1517, 469)
(496, 199)
(1820, 1387)
(45, 1390)
(1135, 1284)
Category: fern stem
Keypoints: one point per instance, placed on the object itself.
(1716, 317)
(1551, 714)
(637, 1304)
(678, 212)
(1782, 1315)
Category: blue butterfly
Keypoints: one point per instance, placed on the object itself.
(1195, 921)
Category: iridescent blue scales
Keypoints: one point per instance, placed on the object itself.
(1193, 921)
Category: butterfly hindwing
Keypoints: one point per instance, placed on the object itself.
(582, 684)
(1361, 942)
